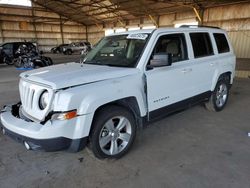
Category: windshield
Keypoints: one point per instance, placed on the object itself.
(120, 50)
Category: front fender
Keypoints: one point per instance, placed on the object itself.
(87, 98)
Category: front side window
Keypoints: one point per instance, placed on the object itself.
(172, 44)
(118, 50)
(221, 42)
(201, 44)
(8, 49)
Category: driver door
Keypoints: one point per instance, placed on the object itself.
(168, 85)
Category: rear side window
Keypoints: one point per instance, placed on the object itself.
(201, 44)
(221, 42)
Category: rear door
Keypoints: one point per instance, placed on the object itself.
(204, 62)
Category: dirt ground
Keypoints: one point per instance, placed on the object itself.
(193, 149)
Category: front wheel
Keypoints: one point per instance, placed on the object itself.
(69, 52)
(114, 131)
(8, 60)
(18, 63)
(219, 96)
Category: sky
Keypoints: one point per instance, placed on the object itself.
(16, 2)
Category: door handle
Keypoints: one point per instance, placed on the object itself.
(186, 70)
(211, 64)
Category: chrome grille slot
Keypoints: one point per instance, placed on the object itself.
(26, 100)
(31, 98)
(27, 95)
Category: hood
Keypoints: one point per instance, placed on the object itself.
(72, 74)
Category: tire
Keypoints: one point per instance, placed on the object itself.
(50, 61)
(69, 52)
(219, 97)
(39, 62)
(84, 52)
(114, 131)
(17, 62)
(8, 61)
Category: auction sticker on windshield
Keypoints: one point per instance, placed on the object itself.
(140, 36)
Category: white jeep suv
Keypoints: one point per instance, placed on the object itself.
(128, 79)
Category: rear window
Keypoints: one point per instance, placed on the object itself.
(221, 42)
(201, 44)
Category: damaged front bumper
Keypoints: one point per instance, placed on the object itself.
(51, 136)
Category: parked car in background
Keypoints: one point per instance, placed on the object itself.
(8, 51)
(29, 58)
(77, 47)
(4, 59)
(58, 49)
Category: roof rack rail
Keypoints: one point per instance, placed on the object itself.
(198, 26)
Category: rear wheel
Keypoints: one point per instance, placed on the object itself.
(219, 96)
(50, 61)
(68, 52)
(113, 133)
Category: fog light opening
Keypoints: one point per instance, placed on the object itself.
(27, 146)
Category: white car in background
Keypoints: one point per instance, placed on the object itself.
(77, 47)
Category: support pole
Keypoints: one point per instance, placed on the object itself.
(1, 31)
(34, 21)
(87, 35)
(141, 22)
(153, 20)
(202, 15)
(61, 30)
(199, 14)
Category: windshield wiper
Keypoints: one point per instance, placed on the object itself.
(114, 65)
(93, 62)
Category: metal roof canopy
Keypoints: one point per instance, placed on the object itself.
(90, 12)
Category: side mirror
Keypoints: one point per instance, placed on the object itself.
(41, 52)
(160, 60)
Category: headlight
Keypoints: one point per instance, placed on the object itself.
(44, 100)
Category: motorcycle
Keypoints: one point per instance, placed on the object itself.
(29, 58)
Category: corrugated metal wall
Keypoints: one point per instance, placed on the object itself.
(236, 20)
(16, 24)
(241, 43)
(233, 18)
(95, 33)
(45, 28)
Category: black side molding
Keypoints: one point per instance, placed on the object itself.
(162, 112)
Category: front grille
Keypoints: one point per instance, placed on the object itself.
(30, 94)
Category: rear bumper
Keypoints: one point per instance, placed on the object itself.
(39, 137)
